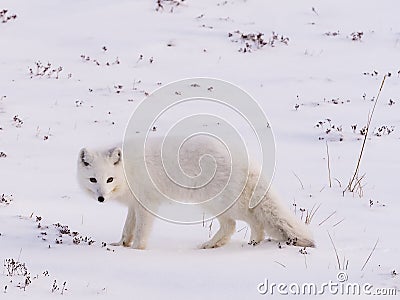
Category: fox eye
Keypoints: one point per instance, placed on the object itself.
(110, 179)
(92, 179)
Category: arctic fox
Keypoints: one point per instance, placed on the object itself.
(101, 173)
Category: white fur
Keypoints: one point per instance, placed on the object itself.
(269, 217)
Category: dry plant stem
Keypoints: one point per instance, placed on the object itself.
(281, 264)
(350, 186)
(210, 228)
(334, 247)
(329, 165)
(358, 182)
(358, 187)
(334, 225)
(310, 215)
(241, 229)
(340, 185)
(369, 256)
(298, 178)
(326, 219)
(305, 261)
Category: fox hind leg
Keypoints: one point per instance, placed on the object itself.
(226, 229)
(257, 233)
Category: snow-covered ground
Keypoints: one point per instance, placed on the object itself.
(314, 87)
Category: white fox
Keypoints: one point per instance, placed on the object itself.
(101, 173)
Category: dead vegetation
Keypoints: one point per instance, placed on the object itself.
(21, 278)
(6, 199)
(168, 5)
(354, 184)
(5, 17)
(45, 70)
(254, 41)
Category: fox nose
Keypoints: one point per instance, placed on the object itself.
(100, 199)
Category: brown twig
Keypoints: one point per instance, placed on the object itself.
(298, 178)
(334, 225)
(340, 185)
(329, 165)
(281, 264)
(310, 214)
(334, 247)
(350, 186)
(323, 221)
(369, 256)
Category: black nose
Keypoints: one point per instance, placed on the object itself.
(100, 198)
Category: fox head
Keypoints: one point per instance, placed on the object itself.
(101, 173)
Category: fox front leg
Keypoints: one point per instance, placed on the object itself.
(129, 227)
(143, 226)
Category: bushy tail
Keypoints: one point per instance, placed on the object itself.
(281, 224)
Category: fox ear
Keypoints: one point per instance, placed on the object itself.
(84, 157)
(116, 155)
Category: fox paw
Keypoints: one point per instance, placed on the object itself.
(116, 244)
(207, 246)
(139, 247)
(211, 245)
(120, 243)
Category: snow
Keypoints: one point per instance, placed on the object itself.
(86, 107)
